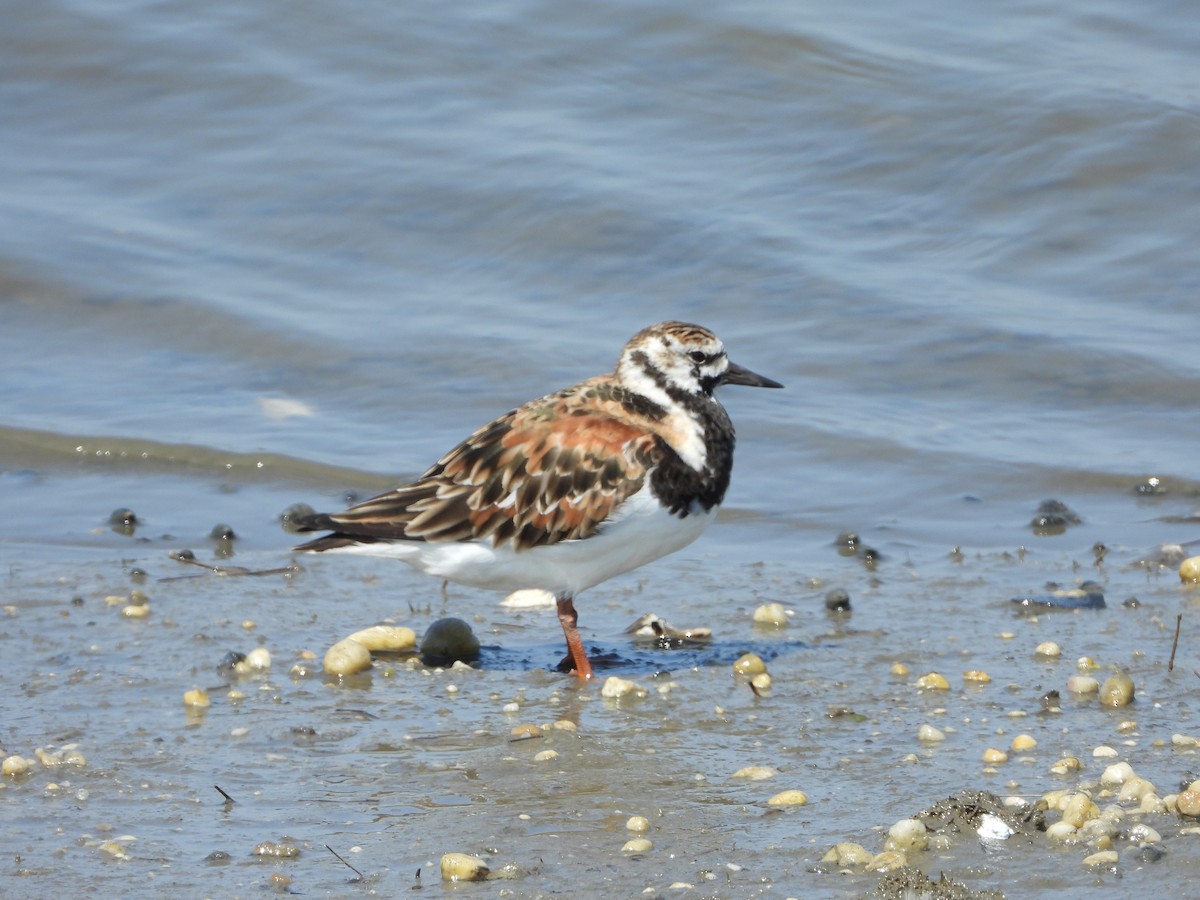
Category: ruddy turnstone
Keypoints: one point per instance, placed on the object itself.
(570, 489)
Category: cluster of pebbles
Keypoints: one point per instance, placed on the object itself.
(1119, 814)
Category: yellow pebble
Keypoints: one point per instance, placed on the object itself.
(772, 615)
(347, 657)
(993, 755)
(386, 638)
(755, 773)
(788, 798)
(749, 664)
(197, 698)
(1189, 570)
(933, 682)
(638, 824)
(15, 765)
(114, 849)
(899, 670)
(1023, 742)
(1068, 765)
(463, 867)
(976, 675)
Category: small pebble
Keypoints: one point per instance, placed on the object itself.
(1189, 570)
(1183, 741)
(761, 682)
(888, 861)
(123, 517)
(907, 834)
(992, 756)
(1104, 752)
(279, 881)
(1150, 853)
(449, 640)
(1049, 649)
(545, 755)
(258, 659)
(977, 676)
(837, 600)
(1117, 690)
(114, 849)
(1103, 858)
(1062, 832)
(525, 731)
(1068, 765)
(848, 855)
(749, 665)
(1143, 833)
(386, 638)
(930, 735)
(1135, 790)
(933, 682)
(135, 612)
(1078, 808)
(638, 845)
(1023, 742)
(771, 615)
(638, 824)
(788, 798)
(755, 773)
(1116, 774)
(529, 599)
(276, 850)
(1086, 664)
(993, 828)
(347, 657)
(899, 670)
(616, 688)
(197, 698)
(47, 759)
(1082, 684)
(1188, 803)
(15, 766)
(463, 867)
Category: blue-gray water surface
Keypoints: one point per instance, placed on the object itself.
(264, 253)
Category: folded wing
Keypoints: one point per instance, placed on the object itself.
(550, 471)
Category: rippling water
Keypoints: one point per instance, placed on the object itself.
(258, 253)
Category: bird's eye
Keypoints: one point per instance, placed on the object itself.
(698, 356)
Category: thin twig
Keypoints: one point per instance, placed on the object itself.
(346, 864)
(221, 791)
(225, 571)
(1175, 643)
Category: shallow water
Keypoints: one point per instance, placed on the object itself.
(258, 255)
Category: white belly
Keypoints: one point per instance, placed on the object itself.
(642, 533)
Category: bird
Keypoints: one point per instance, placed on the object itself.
(571, 489)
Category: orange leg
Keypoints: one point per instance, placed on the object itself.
(568, 617)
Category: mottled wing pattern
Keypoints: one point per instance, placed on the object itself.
(550, 471)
